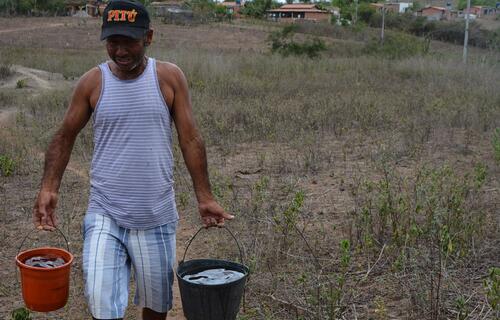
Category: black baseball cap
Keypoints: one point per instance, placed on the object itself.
(126, 18)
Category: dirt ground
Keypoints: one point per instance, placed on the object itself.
(57, 33)
(326, 192)
(18, 192)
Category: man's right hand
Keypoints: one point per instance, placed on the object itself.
(44, 211)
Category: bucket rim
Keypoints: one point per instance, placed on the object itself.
(221, 260)
(187, 283)
(25, 266)
(246, 273)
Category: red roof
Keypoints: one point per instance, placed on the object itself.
(230, 4)
(300, 7)
(434, 8)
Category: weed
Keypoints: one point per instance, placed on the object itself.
(461, 305)
(21, 314)
(183, 200)
(286, 221)
(7, 165)
(380, 308)
(495, 141)
(492, 287)
(21, 83)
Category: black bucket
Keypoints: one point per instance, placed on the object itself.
(211, 302)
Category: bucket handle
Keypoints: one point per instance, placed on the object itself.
(36, 229)
(224, 227)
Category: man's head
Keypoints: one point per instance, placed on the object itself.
(125, 18)
(125, 28)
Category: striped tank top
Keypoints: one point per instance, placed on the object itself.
(131, 177)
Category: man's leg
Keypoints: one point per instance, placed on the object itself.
(148, 314)
(106, 267)
(152, 252)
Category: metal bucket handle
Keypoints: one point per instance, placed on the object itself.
(228, 230)
(36, 229)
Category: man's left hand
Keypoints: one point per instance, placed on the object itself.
(212, 214)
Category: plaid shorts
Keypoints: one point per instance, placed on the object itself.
(109, 252)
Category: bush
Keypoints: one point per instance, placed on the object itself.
(447, 31)
(21, 83)
(258, 8)
(7, 165)
(33, 7)
(365, 12)
(397, 46)
(21, 314)
(495, 142)
(282, 42)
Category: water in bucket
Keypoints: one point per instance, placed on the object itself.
(214, 276)
(46, 261)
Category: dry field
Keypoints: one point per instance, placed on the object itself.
(363, 188)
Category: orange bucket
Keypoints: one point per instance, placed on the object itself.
(45, 289)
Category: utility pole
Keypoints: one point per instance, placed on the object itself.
(383, 24)
(466, 37)
(356, 13)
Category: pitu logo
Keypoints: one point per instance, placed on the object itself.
(122, 15)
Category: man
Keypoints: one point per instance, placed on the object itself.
(131, 218)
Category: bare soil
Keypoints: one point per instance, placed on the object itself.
(78, 34)
(327, 192)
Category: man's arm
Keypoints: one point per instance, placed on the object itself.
(59, 150)
(175, 90)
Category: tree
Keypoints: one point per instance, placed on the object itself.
(462, 4)
(258, 8)
(365, 12)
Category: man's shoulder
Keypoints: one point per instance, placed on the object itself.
(92, 75)
(90, 79)
(89, 84)
(169, 72)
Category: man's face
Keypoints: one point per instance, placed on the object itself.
(126, 52)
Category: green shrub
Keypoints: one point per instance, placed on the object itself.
(492, 286)
(438, 207)
(7, 165)
(495, 142)
(21, 83)
(33, 8)
(397, 46)
(282, 42)
(365, 12)
(21, 314)
(258, 8)
(447, 31)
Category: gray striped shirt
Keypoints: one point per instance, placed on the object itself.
(132, 165)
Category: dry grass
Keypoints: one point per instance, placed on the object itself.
(293, 146)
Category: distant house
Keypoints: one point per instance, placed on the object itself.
(84, 8)
(93, 7)
(297, 12)
(233, 8)
(480, 11)
(162, 9)
(74, 6)
(434, 13)
(395, 7)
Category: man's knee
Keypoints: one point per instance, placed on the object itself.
(107, 319)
